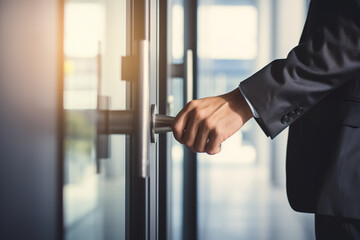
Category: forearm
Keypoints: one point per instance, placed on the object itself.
(285, 89)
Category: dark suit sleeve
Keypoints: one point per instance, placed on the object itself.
(285, 89)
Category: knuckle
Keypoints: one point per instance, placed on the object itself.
(199, 113)
(208, 124)
(217, 132)
(210, 152)
(192, 103)
(177, 129)
(188, 143)
(198, 149)
(213, 151)
(177, 137)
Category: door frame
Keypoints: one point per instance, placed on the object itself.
(141, 193)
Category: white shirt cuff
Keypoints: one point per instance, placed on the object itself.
(254, 112)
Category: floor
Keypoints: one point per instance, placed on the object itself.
(238, 202)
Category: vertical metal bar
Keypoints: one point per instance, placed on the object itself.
(163, 219)
(136, 217)
(103, 105)
(189, 75)
(143, 107)
(274, 51)
(139, 185)
(129, 139)
(141, 20)
(190, 164)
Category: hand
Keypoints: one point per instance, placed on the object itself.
(202, 125)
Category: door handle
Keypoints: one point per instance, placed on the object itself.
(103, 104)
(122, 122)
(189, 75)
(159, 123)
(142, 121)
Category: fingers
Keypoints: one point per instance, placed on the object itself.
(179, 128)
(214, 144)
(182, 121)
(194, 133)
(190, 134)
(197, 128)
(201, 138)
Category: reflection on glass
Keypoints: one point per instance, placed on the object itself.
(94, 204)
(177, 31)
(84, 27)
(79, 157)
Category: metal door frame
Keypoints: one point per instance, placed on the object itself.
(166, 72)
(163, 176)
(141, 193)
(147, 199)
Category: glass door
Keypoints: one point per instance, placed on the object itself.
(94, 187)
(182, 88)
(110, 97)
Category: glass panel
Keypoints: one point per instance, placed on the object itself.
(177, 31)
(94, 41)
(176, 102)
(227, 32)
(236, 198)
(176, 162)
(226, 54)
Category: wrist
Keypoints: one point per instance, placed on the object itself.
(240, 105)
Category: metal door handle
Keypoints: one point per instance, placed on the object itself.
(103, 104)
(142, 111)
(159, 123)
(143, 121)
(189, 75)
(163, 123)
(122, 122)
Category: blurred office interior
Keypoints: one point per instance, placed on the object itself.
(241, 191)
(62, 178)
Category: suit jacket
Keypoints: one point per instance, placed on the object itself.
(316, 90)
